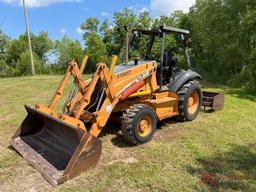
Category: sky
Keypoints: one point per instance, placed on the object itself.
(60, 17)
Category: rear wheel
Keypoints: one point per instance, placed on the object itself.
(138, 124)
(190, 100)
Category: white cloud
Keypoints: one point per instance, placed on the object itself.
(79, 31)
(143, 9)
(104, 14)
(38, 3)
(138, 8)
(63, 31)
(165, 7)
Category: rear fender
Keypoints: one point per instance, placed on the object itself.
(181, 77)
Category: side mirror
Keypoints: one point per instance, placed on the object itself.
(187, 42)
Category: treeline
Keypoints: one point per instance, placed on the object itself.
(224, 40)
(15, 58)
(223, 49)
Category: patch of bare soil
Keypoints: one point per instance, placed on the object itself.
(2, 101)
(6, 117)
(116, 149)
(168, 129)
(23, 178)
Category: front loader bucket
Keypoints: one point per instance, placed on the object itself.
(56, 149)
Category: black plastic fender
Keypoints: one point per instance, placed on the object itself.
(181, 77)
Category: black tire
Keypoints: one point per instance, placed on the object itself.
(131, 119)
(183, 104)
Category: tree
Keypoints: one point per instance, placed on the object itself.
(224, 37)
(143, 21)
(107, 36)
(125, 17)
(14, 50)
(172, 43)
(41, 44)
(23, 64)
(65, 50)
(96, 49)
(94, 45)
(4, 42)
(90, 25)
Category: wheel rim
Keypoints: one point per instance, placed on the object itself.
(145, 126)
(193, 102)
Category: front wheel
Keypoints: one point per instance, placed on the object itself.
(138, 124)
(190, 100)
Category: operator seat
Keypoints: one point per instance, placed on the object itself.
(169, 67)
(169, 62)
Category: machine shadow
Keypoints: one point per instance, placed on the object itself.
(11, 148)
(207, 110)
(113, 128)
(231, 170)
(118, 140)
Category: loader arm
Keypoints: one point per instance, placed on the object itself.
(74, 70)
(114, 93)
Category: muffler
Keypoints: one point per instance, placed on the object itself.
(58, 150)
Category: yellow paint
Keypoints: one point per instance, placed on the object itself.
(140, 94)
(113, 64)
(85, 59)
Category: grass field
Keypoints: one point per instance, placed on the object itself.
(215, 152)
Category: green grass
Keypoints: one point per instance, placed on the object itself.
(215, 152)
